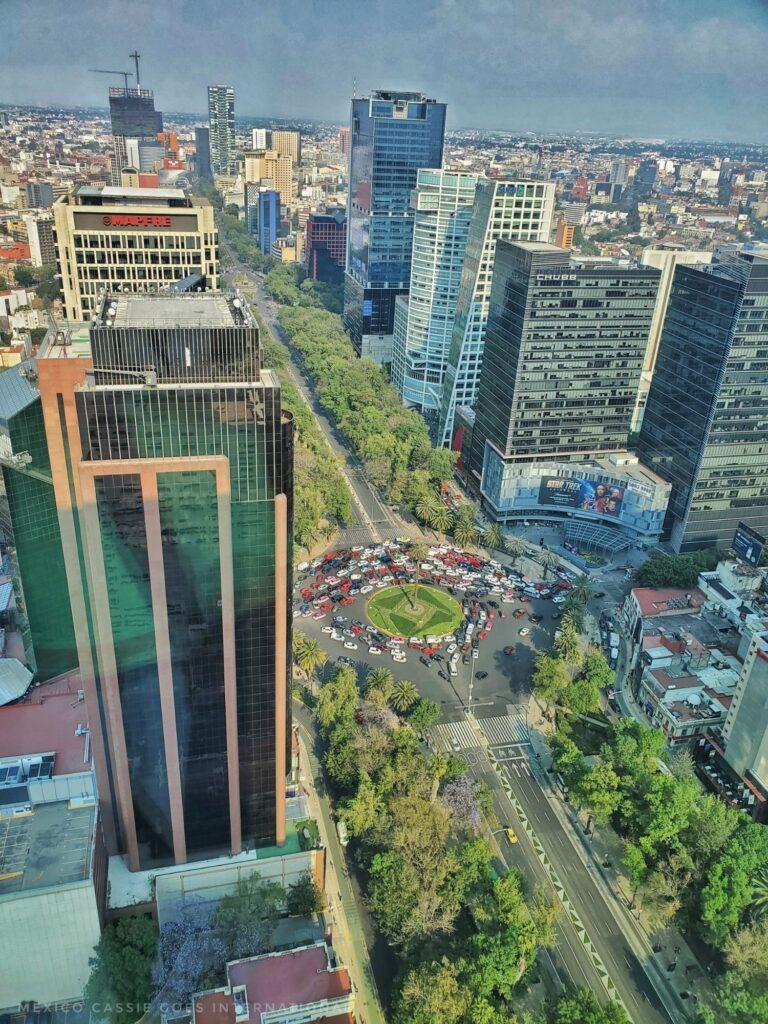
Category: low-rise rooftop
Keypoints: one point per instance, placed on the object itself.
(47, 846)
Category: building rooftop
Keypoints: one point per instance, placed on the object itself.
(49, 846)
(16, 391)
(206, 309)
(652, 601)
(46, 722)
(121, 192)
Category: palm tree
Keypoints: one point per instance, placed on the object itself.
(382, 680)
(404, 695)
(426, 507)
(549, 561)
(493, 538)
(581, 589)
(567, 643)
(515, 547)
(464, 530)
(441, 519)
(758, 904)
(419, 551)
(308, 655)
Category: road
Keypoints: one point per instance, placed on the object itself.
(374, 520)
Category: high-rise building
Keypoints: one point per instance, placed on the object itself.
(516, 210)
(563, 355)
(393, 134)
(704, 427)
(39, 195)
(746, 728)
(666, 260)
(133, 116)
(262, 214)
(644, 179)
(325, 245)
(42, 245)
(286, 142)
(442, 203)
(221, 127)
(203, 152)
(132, 239)
(564, 234)
(261, 138)
(344, 139)
(267, 166)
(171, 465)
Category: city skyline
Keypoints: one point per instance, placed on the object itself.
(534, 67)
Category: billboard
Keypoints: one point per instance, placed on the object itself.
(581, 493)
(748, 544)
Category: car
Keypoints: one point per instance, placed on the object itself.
(481, 675)
(535, 617)
(451, 648)
(502, 615)
(524, 597)
(337, 636)
(399, 657)
(455, 745)
(524, 631)
(510, 834)
(494, 604)
(350, 645)
(509, 649)
(475, 652)
(375, 650)
(424, 661)
(519, 613)
(327, 629)
(366, 588)
(340, 620)
(599, 594)
(346, 600)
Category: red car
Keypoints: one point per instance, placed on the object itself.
(524, 597)
(357, 630)
(306, 593)
(345, 585)
(430, 650)
(482, 634)
(509, 650)
(346, 600)
(519, 613)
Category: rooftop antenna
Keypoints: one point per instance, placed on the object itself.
(135, 58)
(126, 75)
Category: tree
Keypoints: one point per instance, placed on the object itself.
(581, 589)
(365, 810)
(423, 714)
(567, 758)
(663, 890)
(582, 1007)
(190, 957)
(549, 560)
(308, 654)
(729, 884)
(303, 897)
(545, 910)
(232, 210)
(432, 994)
(567, 644)
(515, 547)
(427, 506)
(493, 537)
(462, 797)
(550, 678)
(337, 700)
(597, 670)
(464, 531)
(710, 826)
(120, 986)
(48, 287)
(404, 695)
(245, 919)
(581, 696)
(758, 904)
(598, 791)
(24, 275)
(380, 679)
(442, 519)
(738, 1003)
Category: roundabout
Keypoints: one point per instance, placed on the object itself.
(414, 610)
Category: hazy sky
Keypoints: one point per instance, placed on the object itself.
(692, 68)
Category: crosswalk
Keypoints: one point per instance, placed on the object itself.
(444, 735)
(505, 730)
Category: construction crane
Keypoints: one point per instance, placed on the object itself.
(126, 74)
(135, 58)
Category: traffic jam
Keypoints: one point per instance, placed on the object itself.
(329, 587)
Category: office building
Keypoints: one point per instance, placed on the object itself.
(326, 245)
(563, 356)
(133, 117)
(515, 210)
(42, 245)
(344, 140)
(286, 143)
(171, 463)
(442, 204)
(203, 153)
(132, 240)
(221, 128)
(665, 259)
(745, 732)
(261, 138)
(39, 195)
(392, 136)
(262, 214)
(704, 427)
(645, 178)
(267, 167)
(564, 234)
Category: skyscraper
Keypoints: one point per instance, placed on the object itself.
(503, 209)
(171, 464)
(326, 245)
(221, 126)
(393, 134)
(270, 168)
(442, 203)
(133, 116)
(563, 354)
(705, 428)
(203, 152)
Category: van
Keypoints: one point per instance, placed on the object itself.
(341, 829)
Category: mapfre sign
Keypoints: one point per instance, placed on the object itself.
(136, 220)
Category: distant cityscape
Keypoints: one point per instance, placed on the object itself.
(384, 589)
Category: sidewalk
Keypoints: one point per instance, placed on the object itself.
(601, 852)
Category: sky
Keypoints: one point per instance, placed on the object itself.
(695, 69)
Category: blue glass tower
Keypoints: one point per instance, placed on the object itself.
(392, 135)
(269, 215)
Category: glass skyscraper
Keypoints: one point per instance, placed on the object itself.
(393, 134)
(133, 116)
(171, 466)
(221, 129)
(705, 427)
(503, 209)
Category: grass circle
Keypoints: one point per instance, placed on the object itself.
(414, 609)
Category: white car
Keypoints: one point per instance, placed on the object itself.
(349, 645)
(302, 566)
(328, 629)
(366, 589)
(342, 573)
(375, 650)
(451, 648)
(355, 576)
(397, 656)
(525, 631)
(337, 636)
(559, 599)
(475, 652)
(381, 584)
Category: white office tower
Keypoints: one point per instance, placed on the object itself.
(442, 202)
(518, 211)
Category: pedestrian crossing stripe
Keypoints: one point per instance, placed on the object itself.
(442, 734)
(505, 730)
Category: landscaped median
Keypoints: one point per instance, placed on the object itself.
(414, 610)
